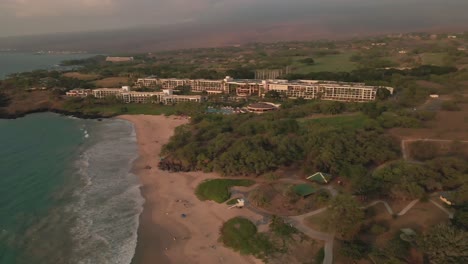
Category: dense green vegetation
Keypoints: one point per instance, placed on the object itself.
(218, 189)
(253, 145)
(354, 121)
(282, 229)
(445, 244)
(394, 251)
(402, 180)
(43, 78)
(354, 249)
(349, 146)
(241, 235)
(112, 107)
(344, 216)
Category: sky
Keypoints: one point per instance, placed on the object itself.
(35, 17)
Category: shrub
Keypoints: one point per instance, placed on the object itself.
(320, 256)
(258, 197)
(378, 229)
(241, 235)
(280, 228)
(355, 249)
(271, 176)
(232, 201)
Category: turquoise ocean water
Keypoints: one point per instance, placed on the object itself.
(67, 194)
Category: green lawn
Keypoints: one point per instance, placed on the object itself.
(433, 58)
(343, 121)
(317, 221)
(332, 63)
(218, 189)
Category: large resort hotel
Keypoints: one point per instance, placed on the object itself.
(127, 96)
(241, 88)
(307, 89)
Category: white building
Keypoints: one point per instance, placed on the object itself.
(307, 89)
(79, 93)
(325, 90)
(106, 92)
(127, 96)
(119, 59)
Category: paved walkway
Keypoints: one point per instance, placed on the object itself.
(450, 214)
(408, 207)
(390, 210)
(298, 221)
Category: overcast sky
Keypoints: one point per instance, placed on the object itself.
(24, 17)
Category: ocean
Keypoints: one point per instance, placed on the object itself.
(20, 62)
(67, 193)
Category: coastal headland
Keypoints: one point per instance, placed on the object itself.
(176, 227)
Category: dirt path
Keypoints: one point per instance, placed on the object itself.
(298, 222)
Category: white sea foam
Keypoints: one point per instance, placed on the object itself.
(109, 203)
(85, 132)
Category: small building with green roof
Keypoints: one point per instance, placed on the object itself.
(304, 190)
(320, 177)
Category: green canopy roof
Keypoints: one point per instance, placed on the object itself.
(320, 177)
(304, 189)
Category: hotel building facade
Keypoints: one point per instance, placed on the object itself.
(79, 93)
(127, 96)
(307, 89)
(326, 90)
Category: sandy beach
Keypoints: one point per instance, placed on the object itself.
(164, 236)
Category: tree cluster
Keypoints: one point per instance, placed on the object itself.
(402, 180)
(253, 145)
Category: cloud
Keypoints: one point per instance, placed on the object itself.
(47, 16)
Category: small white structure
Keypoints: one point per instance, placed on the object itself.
(119, 59)
(434, 96)
(240, 203)
(168, 91)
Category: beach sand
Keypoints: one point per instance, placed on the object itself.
(164, 236)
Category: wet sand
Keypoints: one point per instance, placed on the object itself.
(164, 236)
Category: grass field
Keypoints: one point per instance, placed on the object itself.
(317, 221)
(332, 63)
(81, 76)
(353, 121)
(218, 189)
(433, 58)
(112, 82)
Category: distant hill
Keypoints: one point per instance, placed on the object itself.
(197, 35)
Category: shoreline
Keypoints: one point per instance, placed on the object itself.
(164, 235)
(4, 115)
